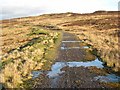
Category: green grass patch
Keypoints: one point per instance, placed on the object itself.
(38, 31)
(10, 60)
(51, 53)
(0, 64)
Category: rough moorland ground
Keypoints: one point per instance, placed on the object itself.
(99, 29)
(23, 37)
(23, 49)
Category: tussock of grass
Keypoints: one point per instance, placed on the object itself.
(105, 46)
(18, 64)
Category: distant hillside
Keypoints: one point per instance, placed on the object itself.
(58, 15)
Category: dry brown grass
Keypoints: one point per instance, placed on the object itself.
(98, 30)
(23, 50)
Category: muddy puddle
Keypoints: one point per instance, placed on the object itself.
(108, 78)
(56, 68)
(85, 47)
(66, 45)
(36, 74)
(68, 48)
(70, 41)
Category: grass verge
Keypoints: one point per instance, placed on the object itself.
(18, 64)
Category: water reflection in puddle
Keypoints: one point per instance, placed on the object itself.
(95, 63)
(108, 78)
(36, 74)
(71, 41)
(67, 48)
(56, 71)
(1, 86)
(85, 47)
(56, 68)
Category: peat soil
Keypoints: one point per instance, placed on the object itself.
(69, 69)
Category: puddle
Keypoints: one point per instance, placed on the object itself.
(67, 48)
(95, 63)
(64, 47)
(108, 78)
(56, 68)
(71, 41)
(36, 74)
(1, 86)
(85, 47)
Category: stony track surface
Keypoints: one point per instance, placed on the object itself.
(70, 77)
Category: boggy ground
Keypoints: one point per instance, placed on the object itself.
(64, 75)
(35, 54)
(100, 30)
